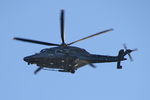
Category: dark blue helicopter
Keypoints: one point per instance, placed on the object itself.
(66, 58)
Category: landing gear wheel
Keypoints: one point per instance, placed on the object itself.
(72, 71)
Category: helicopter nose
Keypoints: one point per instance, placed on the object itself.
(32, 59)
(27, 59)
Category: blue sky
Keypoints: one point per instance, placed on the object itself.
(39, 19)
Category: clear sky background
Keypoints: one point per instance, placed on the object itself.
(39, 20)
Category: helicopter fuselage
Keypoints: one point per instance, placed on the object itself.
(67, 58)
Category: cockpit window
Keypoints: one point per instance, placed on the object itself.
(44, 50)
(47, 50)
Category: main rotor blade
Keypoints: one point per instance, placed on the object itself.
(37, 70)
(62, 26)
(35, 41)
(92, 65)
(90, 36)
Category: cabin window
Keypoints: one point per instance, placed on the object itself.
(58, 51)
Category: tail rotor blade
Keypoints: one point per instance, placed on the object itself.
(130, 57)
(125, 46)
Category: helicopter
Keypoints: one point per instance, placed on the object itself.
(66, 58)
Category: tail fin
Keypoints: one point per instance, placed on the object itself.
(120, 57)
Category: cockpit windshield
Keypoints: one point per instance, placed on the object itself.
(43, 50)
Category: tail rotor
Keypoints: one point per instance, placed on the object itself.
(123, 53)
(128, 51)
